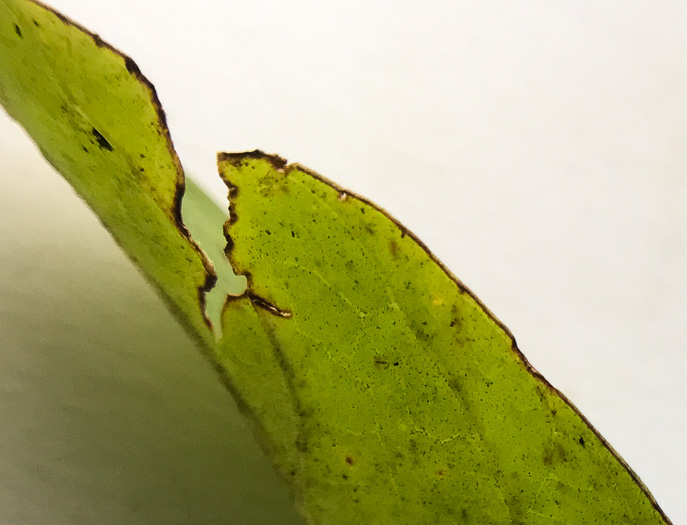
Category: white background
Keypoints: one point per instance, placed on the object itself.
(538, 148)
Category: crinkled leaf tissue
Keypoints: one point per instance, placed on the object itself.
(379, 385)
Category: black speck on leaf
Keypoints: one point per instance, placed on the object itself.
(102, 141)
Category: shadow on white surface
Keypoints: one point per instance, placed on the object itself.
(109, 413)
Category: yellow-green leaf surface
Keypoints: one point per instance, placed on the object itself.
(382, 389)
(108, 413)
(403, 399)
(98, 121)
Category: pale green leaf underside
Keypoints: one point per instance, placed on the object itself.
(379, 385)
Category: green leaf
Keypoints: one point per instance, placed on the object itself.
(406, 399)
(383, 390)
(108, 412)
(98, 121)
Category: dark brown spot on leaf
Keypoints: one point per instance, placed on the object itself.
(131, 66)
(102, 141)
(260, 302)
(381, 363)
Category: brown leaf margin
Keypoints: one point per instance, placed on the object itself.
(210, 274)
(281, 165)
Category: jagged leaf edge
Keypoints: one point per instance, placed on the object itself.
(282, 166)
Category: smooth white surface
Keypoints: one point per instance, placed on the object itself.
(537, 148)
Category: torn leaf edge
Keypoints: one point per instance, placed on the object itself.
(280, 165)
(210, 274)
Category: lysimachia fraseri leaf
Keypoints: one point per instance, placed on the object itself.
(383, 390)
(402, 398)
(98, 121)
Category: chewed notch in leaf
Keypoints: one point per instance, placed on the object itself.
(407, 401)
(383, 390)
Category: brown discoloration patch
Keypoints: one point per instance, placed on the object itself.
(98, 41)
(237, 159)
(229, 247)
(554, 453)
(233, 217)
(101, 140)
(349, 460)
(176, 209)
(232, 191)
(266, 305)
(393, 248)
(210, 282)
(131, 66)
(381, 363)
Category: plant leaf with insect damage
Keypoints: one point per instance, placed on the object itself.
(402, 398)
(384, 391)
(204, 218)
(98, 121)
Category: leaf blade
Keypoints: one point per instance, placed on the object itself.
(99, 122)
(413, 403)
(432, 436)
